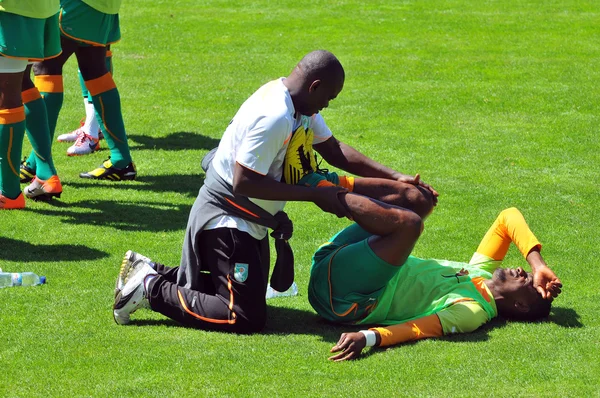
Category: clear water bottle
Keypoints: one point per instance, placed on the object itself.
(292, 291)
(8, 279)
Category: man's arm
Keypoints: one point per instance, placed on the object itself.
(254, 185)
(350, 345)
(344, 157)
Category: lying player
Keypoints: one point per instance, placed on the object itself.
(365, 275)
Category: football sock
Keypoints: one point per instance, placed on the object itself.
(12, 130)
(107, 103)
(51, 89)
(36, 125)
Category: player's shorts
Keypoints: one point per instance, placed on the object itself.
(86, 25)
(27, 38)
(325, 179)
(347, 277)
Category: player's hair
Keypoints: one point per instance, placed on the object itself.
(538, 309)
(319, 64)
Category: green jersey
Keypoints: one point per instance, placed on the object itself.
(424, 287)
(40, 9)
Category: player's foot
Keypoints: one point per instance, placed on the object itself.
(131, 261)
(133, 295)
(108, 172)
(84, 145)
(26, 173)
(44, 190)
(10, 204)
(73, 135)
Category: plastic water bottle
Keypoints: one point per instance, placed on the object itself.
(292, 291)
(8, 279)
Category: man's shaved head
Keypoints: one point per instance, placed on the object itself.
(321, 64)
(315, 81)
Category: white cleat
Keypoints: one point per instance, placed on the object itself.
(130, 262)
(84, 145)
(133, 295)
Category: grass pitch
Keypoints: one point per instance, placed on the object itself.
(494, 103)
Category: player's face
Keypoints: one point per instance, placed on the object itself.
(320, 94)
(515, 282)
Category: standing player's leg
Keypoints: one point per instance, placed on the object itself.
(12, 130)
(107, 103)
(46, 183)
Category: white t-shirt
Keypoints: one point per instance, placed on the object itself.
(257, 138)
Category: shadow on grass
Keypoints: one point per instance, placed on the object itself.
(185, 184)
(178, 141)
(17, 250)
(136, 216)
(565, 317)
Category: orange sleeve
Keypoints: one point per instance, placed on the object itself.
(417, 329)
(510, 226)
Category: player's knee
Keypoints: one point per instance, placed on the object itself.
(420, 200)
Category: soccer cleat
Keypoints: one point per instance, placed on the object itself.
(44, 190)
(73, 135)
(11, 204)
(84, 145)
(108, 172)
(131, 261)
(132, 296)
(26, 173)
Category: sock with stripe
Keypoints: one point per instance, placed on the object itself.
(36, 125)
(108, 107)
(91, 125)
(51, 89)
(12, 130)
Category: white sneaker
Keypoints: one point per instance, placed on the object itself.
(131, 261)
(84, 145)
(133, 295)
(72, 136)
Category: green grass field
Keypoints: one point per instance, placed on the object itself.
(495, 103)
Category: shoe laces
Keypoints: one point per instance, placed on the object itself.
(81, 138)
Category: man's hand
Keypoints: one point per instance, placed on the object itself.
(546, 282)
(416, 180)
(349, 346)
(329, 200)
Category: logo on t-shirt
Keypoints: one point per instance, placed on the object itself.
(240, 272)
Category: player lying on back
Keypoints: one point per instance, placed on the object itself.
(365, 275)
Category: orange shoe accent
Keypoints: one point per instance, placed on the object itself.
(11, 204)
(30, 95)
(49, 83)
(52, 185)
(100, 85)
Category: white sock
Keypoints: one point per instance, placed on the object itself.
(91, 125)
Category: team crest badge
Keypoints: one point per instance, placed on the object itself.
(240, 272)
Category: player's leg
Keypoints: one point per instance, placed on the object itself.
(396, 193)
(107, 103)
(12, 130)
(46, 184)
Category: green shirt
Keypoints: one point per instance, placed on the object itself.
(424, 287)
(105, 6)
(40, 9)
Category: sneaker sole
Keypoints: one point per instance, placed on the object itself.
(45, 196)
(123, 271)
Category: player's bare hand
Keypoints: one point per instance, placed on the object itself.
(329, 199)
(349, 346)
(546, 282)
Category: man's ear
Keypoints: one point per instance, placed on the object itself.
(521, 306)
(314, 85)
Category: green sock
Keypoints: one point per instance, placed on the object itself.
(51, 89)
(108, 110)
(36, 124)
(12, 130)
